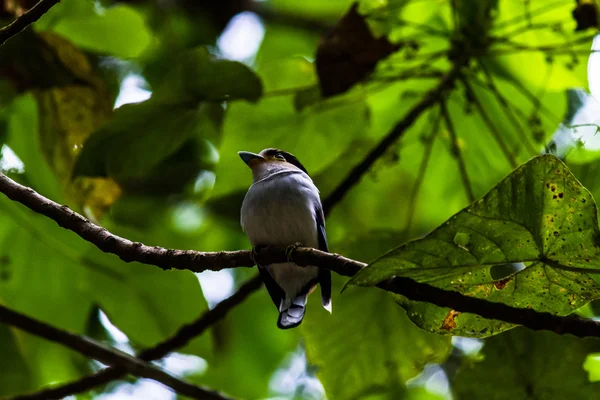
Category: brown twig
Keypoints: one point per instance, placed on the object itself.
(104, 354)
(26, 19)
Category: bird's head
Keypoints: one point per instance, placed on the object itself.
(270, 161)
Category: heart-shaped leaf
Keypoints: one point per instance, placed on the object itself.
(539, 221)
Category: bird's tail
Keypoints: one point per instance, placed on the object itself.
(293, 315)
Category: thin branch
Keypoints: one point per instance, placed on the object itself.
(535, 13)
(565, 47)
(302, 256)
(504, 104)
(455, 150)
(26, 19)
(429, 142)
(104, 354)
(488, 122)
(529, 318)
(180, 339)
(427, 101)
(536, 103)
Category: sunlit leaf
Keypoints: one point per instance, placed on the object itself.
(100, 31)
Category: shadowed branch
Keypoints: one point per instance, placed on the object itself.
(104, 354)
(178, 340)
(26, 19)
(199, 261)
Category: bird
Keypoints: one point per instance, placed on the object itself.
(282, 208)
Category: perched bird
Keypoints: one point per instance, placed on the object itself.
(283, 208)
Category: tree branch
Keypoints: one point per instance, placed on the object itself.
(198, 261)
(26, 19)
(471, 96)
(180, 339)
(455, 150)
(104, 354)
(427, 101)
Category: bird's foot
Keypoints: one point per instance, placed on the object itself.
(290, 249)
(254, 253)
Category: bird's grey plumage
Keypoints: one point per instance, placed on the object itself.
(281, 208)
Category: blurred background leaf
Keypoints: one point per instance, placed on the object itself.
(132, 112)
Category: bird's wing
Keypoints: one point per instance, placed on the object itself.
(275, 291)
(324, 274)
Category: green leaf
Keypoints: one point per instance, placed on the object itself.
(140, 136)
(24, 140)
(523, 364)
(539, 215)
(377, 349)
(16, 376)
(40, 276)
(120, 31)
(196, 75)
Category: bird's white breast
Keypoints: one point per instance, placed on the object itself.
(280, 210)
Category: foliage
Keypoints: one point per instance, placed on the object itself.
(540, 216)
(165, 171)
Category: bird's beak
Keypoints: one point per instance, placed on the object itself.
(250, 159)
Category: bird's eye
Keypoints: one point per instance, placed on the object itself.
(279, 157)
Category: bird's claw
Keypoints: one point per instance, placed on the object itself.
(290, 249)
(254, 253)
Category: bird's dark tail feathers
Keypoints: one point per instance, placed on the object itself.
(292, 317)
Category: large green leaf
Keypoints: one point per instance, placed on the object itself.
(142, 135)
(23, 139)
(367, 345)
(41, 277)
(539, 215)
(523, 365)
(119, 31)
(196, 75)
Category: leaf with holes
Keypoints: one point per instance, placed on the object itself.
(531, 242)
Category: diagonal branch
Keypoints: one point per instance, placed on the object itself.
(194, 261)
(26, 19)
(505, 105)
(429, 143)
(180, 339)
(431, 98)
(497, 135)
(455, 150)
(104, 354)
